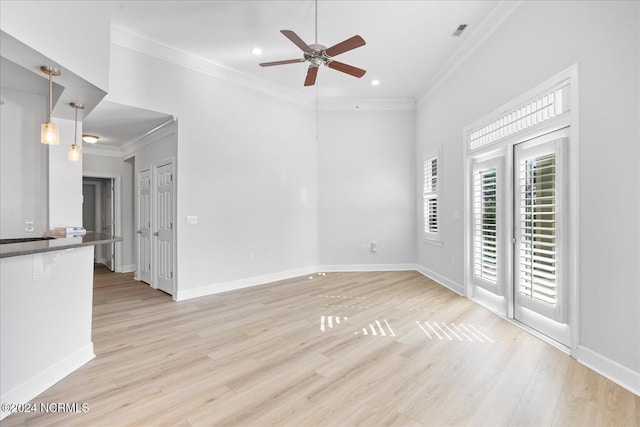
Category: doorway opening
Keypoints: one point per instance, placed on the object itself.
(99, 208)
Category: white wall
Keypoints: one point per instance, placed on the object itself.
(366, 187)
(23, 184)
(65, 179)
(249, 176)
(537, 41)
(74, 34)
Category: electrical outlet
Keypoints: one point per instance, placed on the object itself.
(28, 227)
(191, 219)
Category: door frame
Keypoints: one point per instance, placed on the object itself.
(569, 119)
(117, 214)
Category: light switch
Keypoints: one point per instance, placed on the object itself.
(191, 219)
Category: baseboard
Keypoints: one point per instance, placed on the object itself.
(606, 367)
(128, 268)
(217, 288)
(366, 267)
(31, 388)
(447, 283)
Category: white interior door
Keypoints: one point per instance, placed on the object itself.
(164, 202)
(144, 226)
(540, 283)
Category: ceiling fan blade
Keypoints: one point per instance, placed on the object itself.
(312, 72)
(345, 46)
(296, 40)
(345, 68)
(287, 61)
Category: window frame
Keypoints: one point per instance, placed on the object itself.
(431, 193)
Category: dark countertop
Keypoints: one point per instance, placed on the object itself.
(34, 247)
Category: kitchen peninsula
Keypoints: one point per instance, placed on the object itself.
(46, 294)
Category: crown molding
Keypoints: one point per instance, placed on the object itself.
(484, 30)
(367, 104)
(153, 135)
(105, 151)
(129, 39)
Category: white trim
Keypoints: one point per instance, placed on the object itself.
(128, 38)
(31, 388)
(569, 119)
(434, 238)
(367, 104)
(217, 288)
(117, 184)
(608, 368)
(568, 74)
(130, 147)
(161, 131)
(441, 280)
(129, 268)
(105, 151)
(365, 267)
(476, 39)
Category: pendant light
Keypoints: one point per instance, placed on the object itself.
(49, 132)
(75, 152)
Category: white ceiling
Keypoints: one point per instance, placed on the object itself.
(408, 42)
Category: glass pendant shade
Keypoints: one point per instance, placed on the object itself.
(75, 153)
(49, 134)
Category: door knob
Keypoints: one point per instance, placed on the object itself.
(156, 234)
(139, 232)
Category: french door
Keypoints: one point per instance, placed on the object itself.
(540, 297)
(156, 243)
(517, 239)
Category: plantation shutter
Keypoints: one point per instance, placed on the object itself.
(431, 217)
(485, 236)
(537, 230)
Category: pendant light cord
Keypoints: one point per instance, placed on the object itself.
(75, 128)
(50, 97)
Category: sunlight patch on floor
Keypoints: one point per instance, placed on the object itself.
(453, 331)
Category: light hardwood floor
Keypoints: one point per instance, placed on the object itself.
(259, 356)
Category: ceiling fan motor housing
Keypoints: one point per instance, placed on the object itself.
(318, 56)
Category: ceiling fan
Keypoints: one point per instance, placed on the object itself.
(317, 54)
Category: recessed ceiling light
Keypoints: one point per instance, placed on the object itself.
(375, 82)
(256, 51)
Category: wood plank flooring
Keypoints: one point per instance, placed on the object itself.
(373, 349)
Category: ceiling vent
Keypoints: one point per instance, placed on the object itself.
(460, 29)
